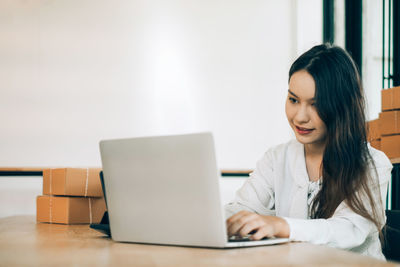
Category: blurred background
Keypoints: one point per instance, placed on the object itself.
(75, 72)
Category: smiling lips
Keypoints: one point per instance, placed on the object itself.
(302, 130)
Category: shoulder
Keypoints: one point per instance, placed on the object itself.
(381, 164)
(278, 159)
(284, 152)
(379, 158)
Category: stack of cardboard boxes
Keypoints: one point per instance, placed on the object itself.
(384, 133)
(71, 196)
(374, 134)
(389, 122)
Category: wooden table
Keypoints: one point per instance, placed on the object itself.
(23, 242)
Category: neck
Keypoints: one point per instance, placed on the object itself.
(314, 150)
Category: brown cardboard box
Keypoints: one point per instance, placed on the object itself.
(376, 144)
(69, 210)
(391, 146)
(72, 182)
(391, 98)
(373, 130)
(389, 122)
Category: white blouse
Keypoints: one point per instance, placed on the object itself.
(280, 186)
(313, 189)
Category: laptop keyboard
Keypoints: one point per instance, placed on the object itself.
(242, 239)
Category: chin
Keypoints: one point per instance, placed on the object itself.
(308, 140)
(305, 139)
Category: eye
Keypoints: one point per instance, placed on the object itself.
(293, 100)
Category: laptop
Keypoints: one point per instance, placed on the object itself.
(165, 190)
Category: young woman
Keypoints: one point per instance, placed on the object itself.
(328, 186)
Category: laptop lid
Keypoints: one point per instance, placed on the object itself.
(164, 190)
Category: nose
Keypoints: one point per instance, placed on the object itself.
(302, 115)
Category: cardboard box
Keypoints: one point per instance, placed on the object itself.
(72, 182)
(373, 130)
(69, 210)
(376, 144)
(391, 146)
(391, 98)
(389, 122)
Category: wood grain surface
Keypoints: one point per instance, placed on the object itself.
(24, 242)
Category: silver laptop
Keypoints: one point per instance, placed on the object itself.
(165, 190)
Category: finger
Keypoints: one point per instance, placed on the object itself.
(262, 232)
(233, 228)
(249, 227)
(236, 216)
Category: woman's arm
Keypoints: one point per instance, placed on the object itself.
(345, 229)
(257, 193)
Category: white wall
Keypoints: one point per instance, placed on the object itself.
(372, 50)
(18, 195)
(308, 25)
(372, 56)
(73, 73)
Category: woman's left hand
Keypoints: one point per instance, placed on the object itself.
(245, 222)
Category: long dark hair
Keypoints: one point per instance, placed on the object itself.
(346, 160)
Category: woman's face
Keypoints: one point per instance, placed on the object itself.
(301, 111)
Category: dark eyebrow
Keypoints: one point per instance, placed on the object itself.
(290, 92)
